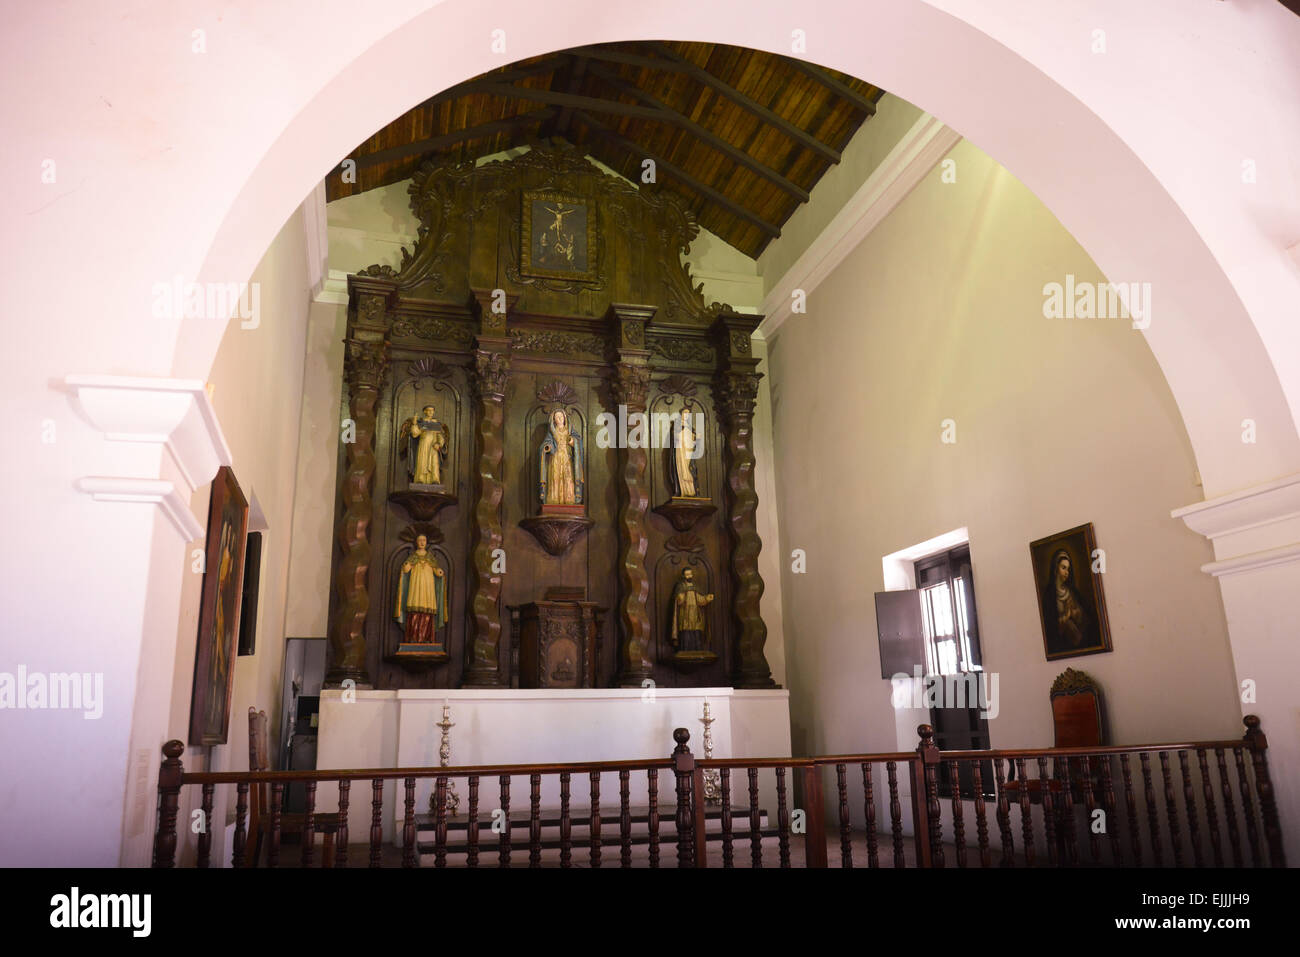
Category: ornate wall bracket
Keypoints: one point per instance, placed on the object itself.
(556, 533)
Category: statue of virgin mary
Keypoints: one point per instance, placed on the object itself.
(560, 478)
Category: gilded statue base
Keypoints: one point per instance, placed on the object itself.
(693, 660)
(557, 530)
(423, 502)
(684, 513)
(410, 654)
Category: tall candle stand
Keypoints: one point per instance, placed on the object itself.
(444, 760)
(712, 788)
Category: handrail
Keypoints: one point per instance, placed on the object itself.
(367, 774)
(684, 809)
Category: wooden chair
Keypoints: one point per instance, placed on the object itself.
(1077, 722)
(259, 805)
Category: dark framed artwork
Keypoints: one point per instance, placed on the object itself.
(219, 604)
(1071, 602)
(252, 587)
(558, 236)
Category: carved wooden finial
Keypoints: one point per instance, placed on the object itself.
(681, 736)
(173, 749)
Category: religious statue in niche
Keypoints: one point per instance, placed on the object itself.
(560, 478)
(686, 450)
(689, 635)
(689, 502)
(423, 440)
(422, 599)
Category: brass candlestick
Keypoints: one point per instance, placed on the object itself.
(712, 788)
(444, 760)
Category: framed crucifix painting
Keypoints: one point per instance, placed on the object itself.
(219, 604)
(558, 236)
(1071, 602)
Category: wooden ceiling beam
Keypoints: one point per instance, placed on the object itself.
(718, 143)
(601, 130)
(451, 139)
(673, 62)
(509, 76)
(839, 88)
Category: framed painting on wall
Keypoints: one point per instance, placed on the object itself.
(1071, 603)
(219, 605)
(558, 236)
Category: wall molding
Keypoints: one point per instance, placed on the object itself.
(139, 491)
(175, 413)
(1252, 528)
(920, 148)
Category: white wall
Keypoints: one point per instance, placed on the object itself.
(256, 386)
(937, 315)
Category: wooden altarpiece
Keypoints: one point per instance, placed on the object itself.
(542, 283)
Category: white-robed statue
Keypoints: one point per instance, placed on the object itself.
(421, 596)
(560, 479)
(682, 462)
(423, 440)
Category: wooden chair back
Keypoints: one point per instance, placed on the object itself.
(1077, 716)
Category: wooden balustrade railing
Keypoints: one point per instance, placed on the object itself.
(1095, 798)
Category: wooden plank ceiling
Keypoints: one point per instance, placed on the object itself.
(741, 136)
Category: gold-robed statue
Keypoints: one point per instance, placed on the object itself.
(690, 630)
(423, 440)
(421, 596)
(560, 479)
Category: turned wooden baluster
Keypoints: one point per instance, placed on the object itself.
(309, 827)
(1229, 812)
(169, 794)
(566, 823)
(895, 814)
(376, 822)
(341, 838)
(869, 802)
(535, 820)
(1264, 787)
(1026, 816)
(981, 818)
(652, 780)
(408, 822)
(1004, 816)
(958, 825)
(935, 812)
(277, 808)
(439, 824)
(1067, 808)
(1111, 808)
(755, 836)
(503, 846)
(1248, 809)
(1171, 809)
(471, 840)
(1049, 813)
(1130, 802)
(1211, 813)
(846, 830)
(594, 822)
(205, 835)
(782, 820)
(624, 820)
(1153, 813)
(728, 851)
(1189, 802)
(241, 815)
